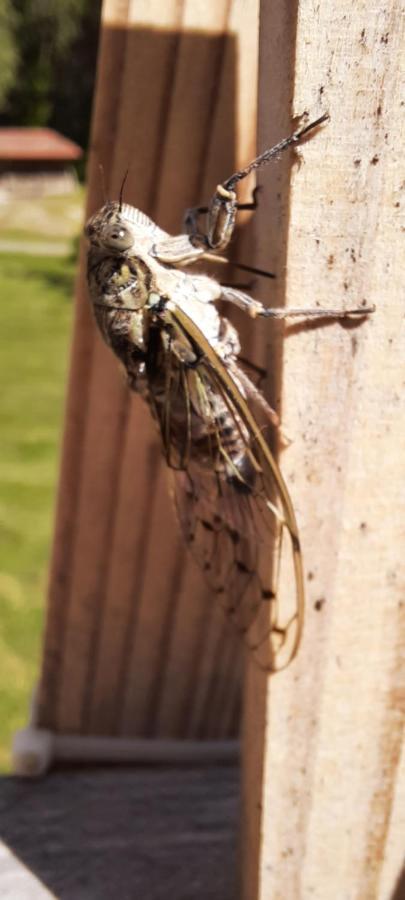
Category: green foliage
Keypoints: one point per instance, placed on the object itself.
(57, 50)
(8, 49)
(74, 76)
(34, 321)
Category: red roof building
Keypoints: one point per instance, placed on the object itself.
(36, 160)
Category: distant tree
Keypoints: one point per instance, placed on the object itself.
(8, 49)
(74, 76)
(57, 50)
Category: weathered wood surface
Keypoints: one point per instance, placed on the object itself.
(324, 800)
(127, 834)
(134, 644)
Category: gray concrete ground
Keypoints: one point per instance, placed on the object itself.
(120, 834)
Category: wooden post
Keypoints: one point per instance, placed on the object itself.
(324, 788)
(134, 644)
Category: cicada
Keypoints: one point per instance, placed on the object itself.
(181, 355)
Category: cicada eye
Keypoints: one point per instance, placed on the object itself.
(117, 237)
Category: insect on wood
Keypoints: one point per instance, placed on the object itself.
(181, 356)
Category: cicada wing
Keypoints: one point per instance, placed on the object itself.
(169, 395)
(218, 527)
(243, 534)
(237, 540)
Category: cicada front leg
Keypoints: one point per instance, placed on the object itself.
(222, 209)
(185, 249)
(221, 212)
(220, 217)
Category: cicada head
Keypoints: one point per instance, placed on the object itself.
(117, 228)
(109, 230)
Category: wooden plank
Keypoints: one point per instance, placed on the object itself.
(332, 780)
(134, 645)
(185, 701)
(142, 116)
(104, 118)
(100, 460)
(276, 79)
(196, 75)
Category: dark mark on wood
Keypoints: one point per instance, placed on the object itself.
(319, 604)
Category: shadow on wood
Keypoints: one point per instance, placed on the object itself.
(134, 644)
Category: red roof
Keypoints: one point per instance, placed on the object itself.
(36, 143)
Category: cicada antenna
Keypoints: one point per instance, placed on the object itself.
(122, 189)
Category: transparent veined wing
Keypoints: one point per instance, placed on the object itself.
(238, 522)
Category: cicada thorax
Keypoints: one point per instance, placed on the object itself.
(119, 288)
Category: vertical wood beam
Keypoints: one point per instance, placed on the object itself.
(324, 783)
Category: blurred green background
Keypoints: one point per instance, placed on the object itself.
(47, 70)
(35, 319)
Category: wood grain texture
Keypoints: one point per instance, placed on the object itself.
(324, 811)
(134, 643)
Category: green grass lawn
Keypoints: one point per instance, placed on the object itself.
(35, 316)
